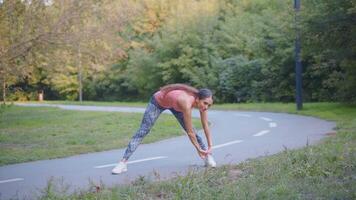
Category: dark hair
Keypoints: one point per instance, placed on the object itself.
(204, 93)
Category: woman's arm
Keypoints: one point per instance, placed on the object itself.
(187, 117)
(205, 124)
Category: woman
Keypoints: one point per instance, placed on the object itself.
(180, 99)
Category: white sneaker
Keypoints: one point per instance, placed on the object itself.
(209, 161)
(121, 167)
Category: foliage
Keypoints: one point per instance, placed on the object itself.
(330, 29)
(40, 39)
(125, 50)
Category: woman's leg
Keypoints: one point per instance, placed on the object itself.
(151, 114)
(179, 116)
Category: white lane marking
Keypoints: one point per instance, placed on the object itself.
(227, 144)
(242, 115)
(131, 162)
(146, 159)
(266, 119)
(11, 180)
(272, 124)
(261, 133)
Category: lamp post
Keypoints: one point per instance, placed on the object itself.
(298, 64)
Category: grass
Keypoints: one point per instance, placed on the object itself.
(28, 134)
(323, 171)
(94, 103)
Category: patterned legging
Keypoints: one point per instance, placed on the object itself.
(153, 111)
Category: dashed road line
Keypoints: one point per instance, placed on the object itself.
(227, 144)
(242, 115)
(272, 124)
(261, 133)
(131, 162)
(11, 180)
(146, 159)
(266, 119)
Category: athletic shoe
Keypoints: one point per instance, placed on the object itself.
(209, 161)
(121, 167)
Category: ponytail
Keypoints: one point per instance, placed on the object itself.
(201, 93)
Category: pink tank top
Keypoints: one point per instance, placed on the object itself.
(170, 99)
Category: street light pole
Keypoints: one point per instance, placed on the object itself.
(298, 64)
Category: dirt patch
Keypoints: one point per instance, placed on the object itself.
(330, 134)
(234, 174)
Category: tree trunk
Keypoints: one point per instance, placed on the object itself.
(80, 76)
(4, 91)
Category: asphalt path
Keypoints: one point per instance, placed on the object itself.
(237, 136)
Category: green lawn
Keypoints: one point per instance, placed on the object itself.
(28, 133)
(323, 171)
(94, 103)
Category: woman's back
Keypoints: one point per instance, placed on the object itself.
(170, 99)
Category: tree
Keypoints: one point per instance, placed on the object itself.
(83, 33)
(330, 47)
(28, 29)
